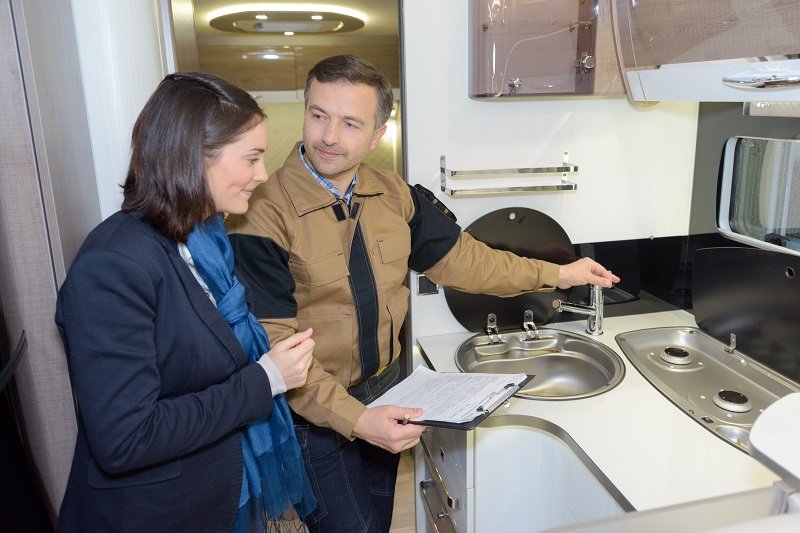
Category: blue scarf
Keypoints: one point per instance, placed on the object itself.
(273, 478)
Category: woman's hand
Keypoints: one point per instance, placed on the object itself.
(292, 357)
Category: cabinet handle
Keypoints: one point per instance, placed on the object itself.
(440, 521)
(452, 503)
(763, 82)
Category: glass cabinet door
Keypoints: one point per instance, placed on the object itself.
(709, 50)
(526, 48)
(659, 32)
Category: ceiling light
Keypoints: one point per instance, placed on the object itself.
(288, 33)
(283, 18)
(269, 54)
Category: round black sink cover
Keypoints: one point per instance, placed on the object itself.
(527, 233)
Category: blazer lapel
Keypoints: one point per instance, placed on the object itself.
(202, 305)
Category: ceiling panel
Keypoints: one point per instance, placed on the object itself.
(239, 57)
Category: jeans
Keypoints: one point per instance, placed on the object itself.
(353, 481)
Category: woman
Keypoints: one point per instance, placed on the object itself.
(177, 430)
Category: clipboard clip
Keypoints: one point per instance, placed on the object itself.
(484, 408)
(487, 407)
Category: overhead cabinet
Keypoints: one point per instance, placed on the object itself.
(709, 51)
(549, 47)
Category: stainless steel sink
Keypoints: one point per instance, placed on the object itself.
(565, 365)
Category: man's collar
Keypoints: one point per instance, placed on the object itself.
(305, 193)
(326, 183)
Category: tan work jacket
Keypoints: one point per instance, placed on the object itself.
(297, 233)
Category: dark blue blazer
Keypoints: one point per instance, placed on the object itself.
(162, 388)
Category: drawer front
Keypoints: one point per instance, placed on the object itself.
(445, 456)
(448, 452)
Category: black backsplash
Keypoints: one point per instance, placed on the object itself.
(655, 274)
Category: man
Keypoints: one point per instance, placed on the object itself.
(328, 243)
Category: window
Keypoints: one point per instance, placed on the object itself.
(760, 193)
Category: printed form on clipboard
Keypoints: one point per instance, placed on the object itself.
(452, 399)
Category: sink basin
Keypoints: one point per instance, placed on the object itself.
(566, 366)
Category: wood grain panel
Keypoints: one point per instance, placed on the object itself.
(682, 31)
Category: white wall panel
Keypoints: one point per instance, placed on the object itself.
(121, 63)
(635, 164)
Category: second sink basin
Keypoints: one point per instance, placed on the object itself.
(566, 366)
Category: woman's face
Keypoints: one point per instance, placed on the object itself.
(238, 169)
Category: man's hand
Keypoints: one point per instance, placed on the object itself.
(292, 357)
(384, 426)
(585, 271)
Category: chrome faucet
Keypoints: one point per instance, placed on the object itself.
(594, 311)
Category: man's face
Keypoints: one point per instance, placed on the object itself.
(339, 128)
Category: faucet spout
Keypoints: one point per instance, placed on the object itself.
(593, 311)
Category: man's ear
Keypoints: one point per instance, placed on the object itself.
(377, 136)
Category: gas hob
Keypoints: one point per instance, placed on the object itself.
(718, 386)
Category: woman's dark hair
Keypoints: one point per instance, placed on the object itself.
(354, 69)
(187, 122)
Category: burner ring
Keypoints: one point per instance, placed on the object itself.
(733, 401)
(676, 356)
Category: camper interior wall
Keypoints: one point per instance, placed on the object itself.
(635, 164)
(69, 97)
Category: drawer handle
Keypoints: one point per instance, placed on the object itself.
(452, 503)
(443, 524)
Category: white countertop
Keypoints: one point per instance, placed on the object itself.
(648, 448)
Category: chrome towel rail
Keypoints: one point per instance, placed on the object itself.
(564, 169)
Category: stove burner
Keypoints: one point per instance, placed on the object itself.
(676, 356)
(732, 401)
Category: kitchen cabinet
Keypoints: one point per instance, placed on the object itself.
(710, 51)
(528, 479)
(514, 474)
(549, 47)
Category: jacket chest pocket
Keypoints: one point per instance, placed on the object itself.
(319, 271)
(322, 281)
(391, 259)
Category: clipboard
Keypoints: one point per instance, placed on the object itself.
(483, 411)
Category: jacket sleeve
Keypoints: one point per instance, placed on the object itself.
(451, 257)
(472, 266)
(264, 266)
(109, 315)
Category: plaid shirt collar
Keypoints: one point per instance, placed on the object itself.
(348, 195)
